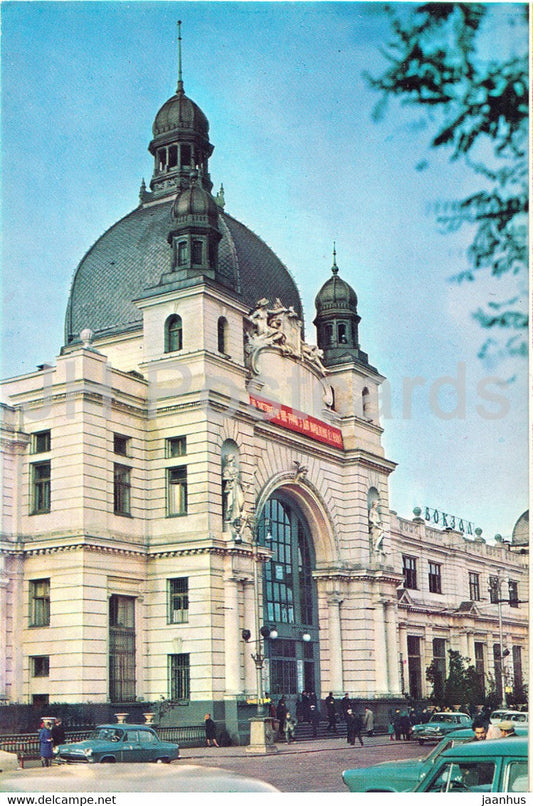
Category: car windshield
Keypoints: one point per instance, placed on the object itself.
(442, 718)
(471, 776)
(107, 734)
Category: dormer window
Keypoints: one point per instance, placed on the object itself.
(197, 253)
(173, 334)
(182, 253)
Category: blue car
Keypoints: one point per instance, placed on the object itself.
(109, 744)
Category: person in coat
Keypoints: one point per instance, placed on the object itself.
(281, 715)
(331, 712)
(354, 727)
(290, 727)
(369, 722)
(346, 703)
(210, 731)
(58, 733)
(46, 744)
(315, 719)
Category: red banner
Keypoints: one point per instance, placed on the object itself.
(294, 420)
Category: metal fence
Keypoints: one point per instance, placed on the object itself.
(26, 745)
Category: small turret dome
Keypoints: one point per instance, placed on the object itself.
(336, 293)
(195, 202)
(180, 114)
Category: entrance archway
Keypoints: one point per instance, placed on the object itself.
(289, 600)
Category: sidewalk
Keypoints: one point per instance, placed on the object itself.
(337, 742)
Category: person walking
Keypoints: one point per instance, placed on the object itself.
(331, 713)
(46, 744)
(354, 726)
(315, 720)
(369, 722)
(346, 704)
(281, 715)
(210, 731)
(397, 722)
(58, 733)
(290, 728)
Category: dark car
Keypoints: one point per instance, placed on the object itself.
(109, 744)
(404, 775)
(439, 725)
(497, 765)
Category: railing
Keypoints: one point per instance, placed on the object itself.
(26, 745)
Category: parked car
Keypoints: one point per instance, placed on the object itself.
(401, 776)
(497, 765)
(439, 725)
(109, 744)
(517, 717)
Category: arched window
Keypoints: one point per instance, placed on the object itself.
(366, 403)
(173, 334)
(222, 334)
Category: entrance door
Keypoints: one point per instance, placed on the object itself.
(289, 597)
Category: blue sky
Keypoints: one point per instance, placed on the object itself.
(303, 164)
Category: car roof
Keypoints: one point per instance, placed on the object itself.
(125, 725)
(514, 746)
(450, 713)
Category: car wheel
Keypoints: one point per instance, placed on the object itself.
(163, 761)
(108, 760)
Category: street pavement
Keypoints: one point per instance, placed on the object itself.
(314, 765)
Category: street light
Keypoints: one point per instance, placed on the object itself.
(258, 658)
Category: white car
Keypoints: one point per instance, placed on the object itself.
(516, 717)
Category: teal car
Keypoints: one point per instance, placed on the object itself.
(497, 765)
(109, 744)
(439, 725)
(401, 776)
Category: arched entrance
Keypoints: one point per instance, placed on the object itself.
(289, 600)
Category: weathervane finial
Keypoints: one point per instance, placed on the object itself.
(180, 78)
(334, 268)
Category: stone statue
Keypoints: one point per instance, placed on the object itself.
(375, 526)
(233, 490)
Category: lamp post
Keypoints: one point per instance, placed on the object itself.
(497, 599)
(261, 730)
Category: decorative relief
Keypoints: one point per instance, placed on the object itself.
(279, 328)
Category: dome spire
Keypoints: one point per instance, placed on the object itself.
(179, 89)
(334, 268)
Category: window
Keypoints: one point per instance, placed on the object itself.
(517, 667)
(513, 593)
(185, 155)
(172, 156)
(40, 483)
(120, 444)
(173, 334)
(464, 776)
(40, 666)
(434, 578)
(39, 602)
(473, 586)
(414, 662)
(176, 446)
(40, 442)
(494, 590)
(439, 665)
(179, 674)
(161, 158)
(341, 333)
(283, 668)
(121, 648)
(40, 700)
(409, 572)
(182, 253)
(121, 489)
(178, 600)
(197, 252)
(222, 331)
(480, 663)
(177, 491)
(366, 405)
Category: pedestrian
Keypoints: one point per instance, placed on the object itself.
(391, 730)
(290, 728)
(281, 715)
(210, 731)
(306, 705)
(46, 744)
(405, 726)
(58, 733)
(369, 722)
(331, 712)
(346, 704)
(479, 727)
(507, 729)
(396, 721)
(354, 726)
(315, 720)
